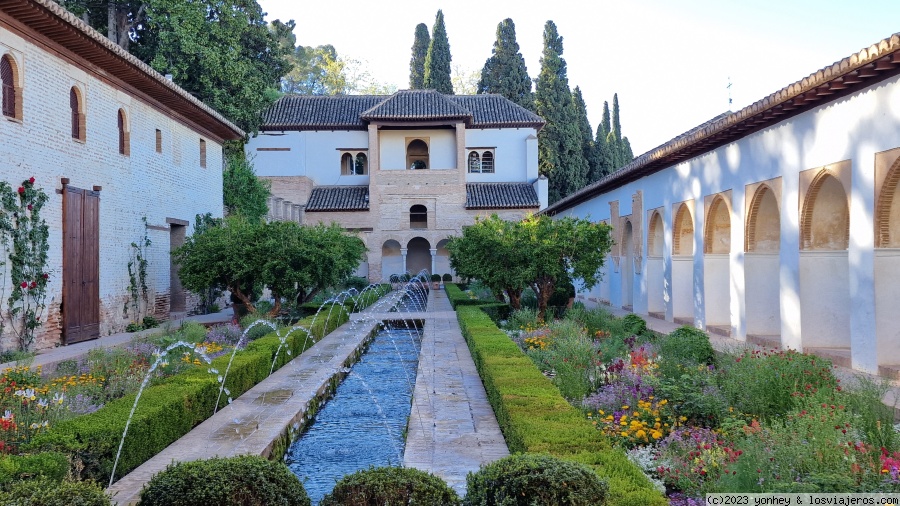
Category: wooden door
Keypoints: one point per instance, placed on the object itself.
(81, 265)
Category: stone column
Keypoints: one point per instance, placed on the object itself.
(403, 254)
(288, 205)
(277, 208)
(433, 259)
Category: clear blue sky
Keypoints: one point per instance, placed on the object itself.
(668, 61)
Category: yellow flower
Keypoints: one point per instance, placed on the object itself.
(656, 434)
(640, 434)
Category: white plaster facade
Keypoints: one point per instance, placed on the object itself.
(168, 188)
(297, 158)
(783, 235)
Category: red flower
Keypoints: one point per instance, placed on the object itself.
(45, 275)
(31, 180)
(34, 284)
(29, 207)
(21, 189)
(24, 284)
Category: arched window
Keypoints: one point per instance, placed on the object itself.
(417, 155)
(418, 216)
(487, 162)
(124, 141)
(362, 164)
(11, 93)
(77, 110)
(717, 238)
(346, 164)
(474, 162)
(825, 220)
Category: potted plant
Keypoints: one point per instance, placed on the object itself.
(448, 278)
(435, 281)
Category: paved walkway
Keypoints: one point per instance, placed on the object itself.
(452, 428)
(48, 358)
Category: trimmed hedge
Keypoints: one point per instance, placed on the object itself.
(460, 298)
(15, 468)
(396, 486)
(245, 480)
(46, 492)
(170, 408)
(535, 418)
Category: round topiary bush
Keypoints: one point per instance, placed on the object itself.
(688, 346)
(529, 479)
(47, 492)
(634, 324)
(394, 486)
(245, 480)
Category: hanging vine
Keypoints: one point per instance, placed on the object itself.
(139, 292)
(22, 226)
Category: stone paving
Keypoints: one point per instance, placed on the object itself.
(452, 427)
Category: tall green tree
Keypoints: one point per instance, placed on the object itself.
(417, 62)
(627, 154)
(315, 71)
(601, 156)
(618, 148)
(585, 130)
(606, 123)
(244, 193)
(437, 60)
(560, 154)
(505, 72)
(222, 52)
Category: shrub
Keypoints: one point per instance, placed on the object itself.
(634, 324)
(460, 298)
(435, 277)
(685, 348)
(524, 480)
(396, 486)
(51, 493)
(446, 278)
(525, 319)
(245, 480)
(357, 282)
(260, 329)
(150, 322)
(535, 418)
(768, 384)
(50, 465)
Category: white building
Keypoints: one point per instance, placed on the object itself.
(776, 224)
(406, 171)
(111, 142)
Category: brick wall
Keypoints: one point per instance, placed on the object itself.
(170, 184)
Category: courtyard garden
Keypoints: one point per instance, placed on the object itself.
(697, 421)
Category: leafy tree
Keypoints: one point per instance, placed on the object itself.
(560, 153)
(539, 251)
(417, 61)
(465, 82)
(222, 52)
(505, 72)
(437, 60)
(243, 192)
(501, 270)
(584, 128)
(315, 71)
(292, 260)
(560, 250)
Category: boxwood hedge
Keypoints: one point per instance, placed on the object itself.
(170, 408)
(535, 418)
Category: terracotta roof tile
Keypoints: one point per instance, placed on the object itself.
(338, 198)
(416, 105)
(501, 196)
(351, 112)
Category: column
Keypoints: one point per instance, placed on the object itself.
(403, 254)
(433, 259)
(277, 208)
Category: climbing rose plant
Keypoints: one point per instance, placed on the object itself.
(24, 237)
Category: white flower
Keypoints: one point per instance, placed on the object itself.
(58, 398)
(43, 403)
(8, 415)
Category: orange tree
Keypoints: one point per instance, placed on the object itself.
(538, 252)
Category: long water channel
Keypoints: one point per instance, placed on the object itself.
(364, 424)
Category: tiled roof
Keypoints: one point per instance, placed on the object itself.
(494, 111)
(57, 24)
(501, 196)
(860, 70)
(412, 105)
(339, 198)
(315, 112)
(352, 112)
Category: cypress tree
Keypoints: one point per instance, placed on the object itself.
(600, 161)
(504, 72)
(615, 154)
(417, 62)
(585, 130)
(560, 155)
(607, 126)
(616, 125)
(627, 154)
(437, 60)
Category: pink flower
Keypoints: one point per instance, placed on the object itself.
(31, 180)
(24, 284)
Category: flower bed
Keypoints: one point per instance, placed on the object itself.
(535, 418)
(697, 422)
(169, 407)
